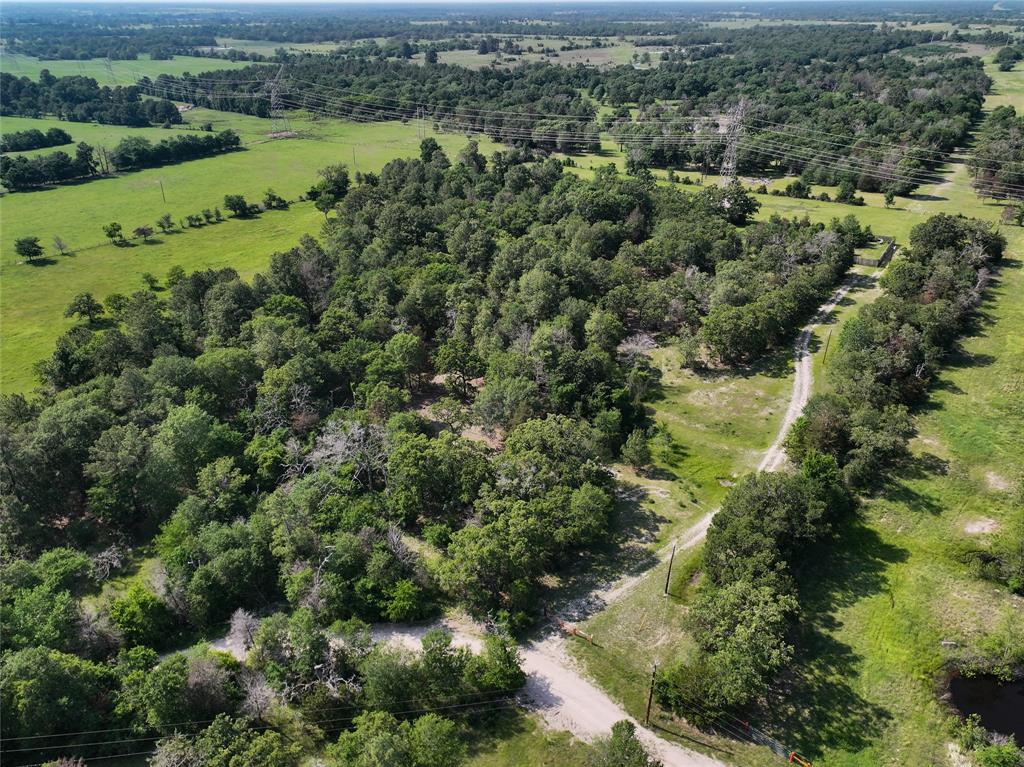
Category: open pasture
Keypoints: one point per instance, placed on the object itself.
(35, 296)
(120, 72)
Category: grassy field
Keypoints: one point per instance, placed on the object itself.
(618, 52)
(119, 73)
(91, 133)
(34, 296)
(269, 47)
(883, 596)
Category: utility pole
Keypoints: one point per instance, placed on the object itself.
(733, 133)
(160, 181)
(650, 695)
(278, 120)
(668, 575)
(827, 342)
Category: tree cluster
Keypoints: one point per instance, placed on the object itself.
(997, 164)
(22, 172)
(260, 434)
(21, 141)
(81, 99)
(824, 103)
(745, 611)
(534, 105)
(136, 152)
(744, 614)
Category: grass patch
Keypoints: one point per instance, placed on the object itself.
(517, 739)
(119, 72)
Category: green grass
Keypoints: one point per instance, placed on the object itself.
(269, 47)
(119, 73)
(34, 297)
(91, 133)
(515, 739)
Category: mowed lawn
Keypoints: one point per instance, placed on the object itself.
(34, 297)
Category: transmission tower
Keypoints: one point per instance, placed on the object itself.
(733, 133)
(278, 119)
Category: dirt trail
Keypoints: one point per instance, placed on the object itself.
(773, 459)
(803, 380)
(562, 696)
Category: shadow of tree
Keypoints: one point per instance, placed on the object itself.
(493, 727)
(623, 552)
(816, 704)
(900, 492)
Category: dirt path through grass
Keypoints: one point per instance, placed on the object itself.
(773, 459)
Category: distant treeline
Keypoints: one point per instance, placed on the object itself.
(832, 103)
(127, 33)
(132, 153)
(60, 40)
(22, 141)
(82, 99)
(535, 105)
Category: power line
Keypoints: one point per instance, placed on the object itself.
(207, 721)
(502, 704)
(368, 112)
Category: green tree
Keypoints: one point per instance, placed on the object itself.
(637, 451)
(40, 616)
(434, 479)
(28, 248)
(621, 748)
(460, 362)
(45, 692)
(428, 147)
(85, 306)
(113, 232)
(230, 742)
(141, 617)
(237, 205)
(165, 223)
(434, 742)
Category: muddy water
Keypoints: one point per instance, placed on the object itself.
(999, 704)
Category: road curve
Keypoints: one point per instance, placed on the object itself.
(774, 457)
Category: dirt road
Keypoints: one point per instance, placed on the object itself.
(773, 459)
(803, 379)
(562, 696)
(555, 689)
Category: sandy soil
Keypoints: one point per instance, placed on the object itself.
(981, 526)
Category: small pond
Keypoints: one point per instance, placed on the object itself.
(999, 704)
